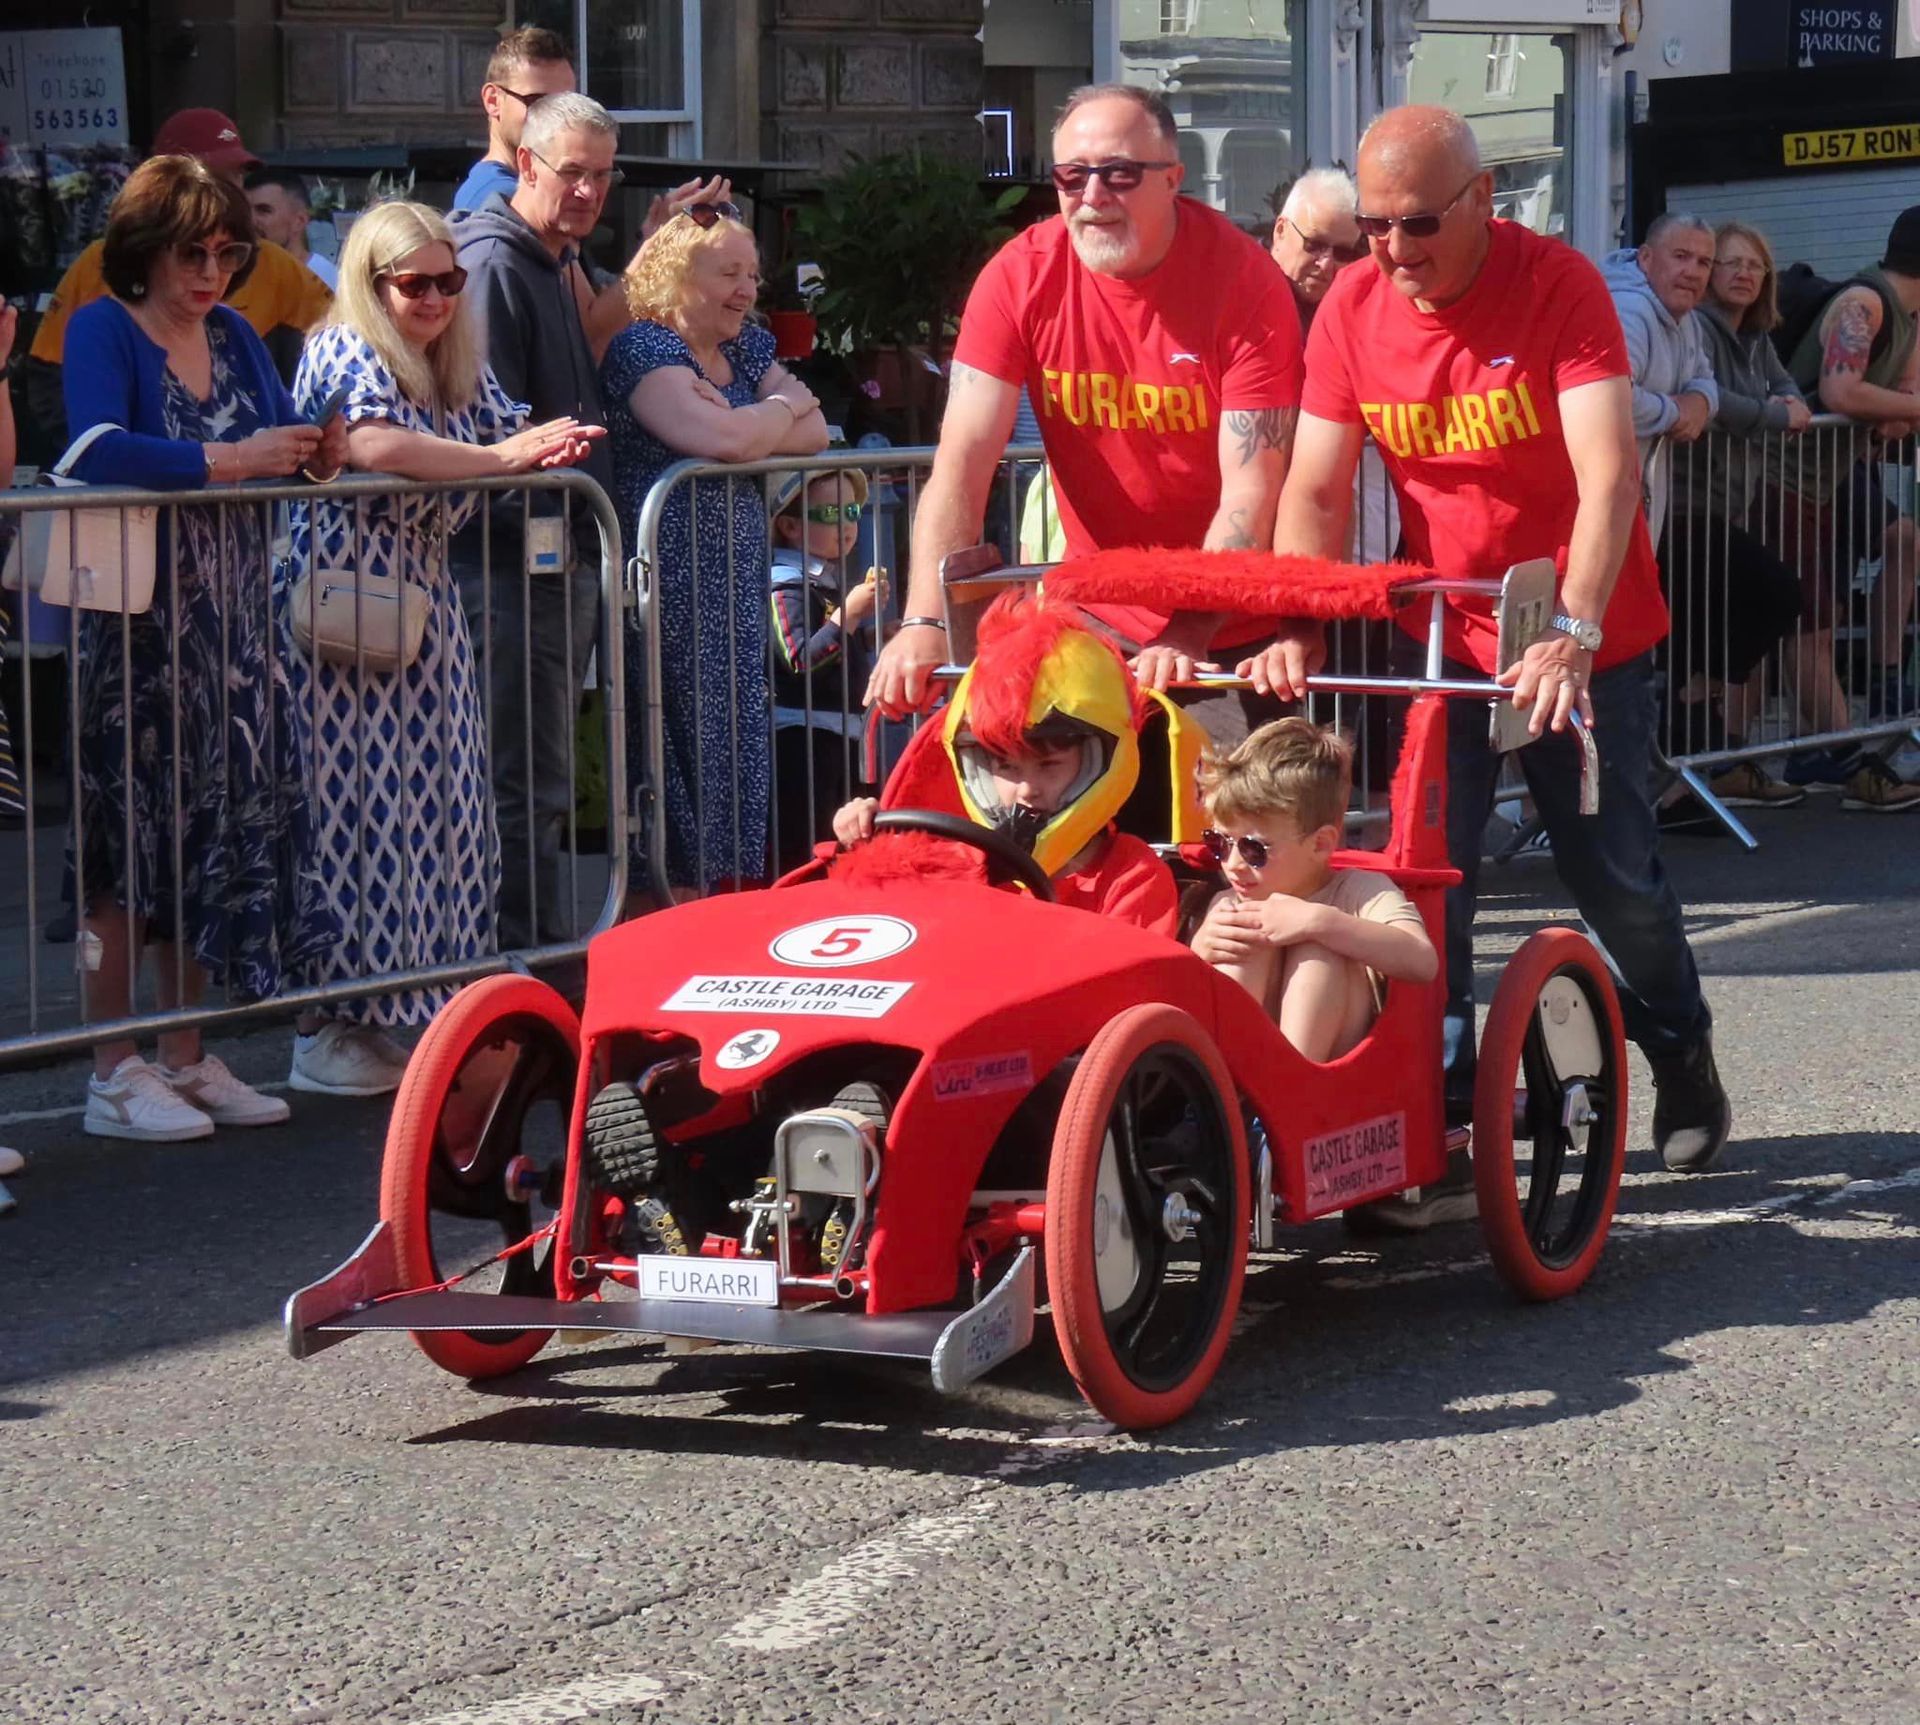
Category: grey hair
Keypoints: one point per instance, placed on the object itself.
(571, 112)
(1151, 102)
(1328, 189)
(1671, 221)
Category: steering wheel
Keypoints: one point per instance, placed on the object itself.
(994, 846)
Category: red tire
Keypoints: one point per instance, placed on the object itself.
(1147, 1195)
(497, 1050)
(1554, 1015)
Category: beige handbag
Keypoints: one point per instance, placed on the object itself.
(355, 617)
(92, 559)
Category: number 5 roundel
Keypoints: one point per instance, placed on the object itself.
(841, 940)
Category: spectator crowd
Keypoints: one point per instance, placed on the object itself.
(263, 806)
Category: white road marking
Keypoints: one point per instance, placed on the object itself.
(579, 1699)
(830, 1601)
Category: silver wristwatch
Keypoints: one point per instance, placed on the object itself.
(1584, 634)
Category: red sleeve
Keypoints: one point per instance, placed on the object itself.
(1589, 344)
(1328, 392)
(1261, 364)
(1135, 886)
(991, 339)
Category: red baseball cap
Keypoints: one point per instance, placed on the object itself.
(206, 133)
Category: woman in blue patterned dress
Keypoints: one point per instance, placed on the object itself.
(407, 837)
(692, 378)
(190, 701)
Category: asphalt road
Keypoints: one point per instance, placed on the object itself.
(1688, 1493)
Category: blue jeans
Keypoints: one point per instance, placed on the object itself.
(1609, 861)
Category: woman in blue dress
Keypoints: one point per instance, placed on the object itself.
(692, 378)
(399, 758)
(191, 701)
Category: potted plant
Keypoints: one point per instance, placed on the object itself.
(791, 315)
(898, 240)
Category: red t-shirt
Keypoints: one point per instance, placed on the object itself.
(1125, 880)
(1129, 378)
(1464, 405)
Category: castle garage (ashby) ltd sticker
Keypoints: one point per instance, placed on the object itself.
(1356, 1159)
(836, 941)
(794, 996)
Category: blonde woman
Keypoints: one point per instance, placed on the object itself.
(407, 839)
(693, 377)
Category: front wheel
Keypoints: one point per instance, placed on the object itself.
(1550, 1115)
(477, 1138)
(1146, 1237)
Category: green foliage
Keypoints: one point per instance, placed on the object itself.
(900, 239)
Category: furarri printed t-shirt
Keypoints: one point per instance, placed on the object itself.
(1464, 405)
(1129, 378)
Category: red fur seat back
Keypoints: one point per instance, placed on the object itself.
(1255, 583)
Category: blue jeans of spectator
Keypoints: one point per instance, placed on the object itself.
(1609, 861)
(532, 654)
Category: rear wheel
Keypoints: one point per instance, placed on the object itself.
(1146, 1239)
(1550, 1115)
(476, 1150)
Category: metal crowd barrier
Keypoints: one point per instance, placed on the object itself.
(48, 1017)
(1835, 505)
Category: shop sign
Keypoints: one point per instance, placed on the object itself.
(63, 88)
(1820, 33)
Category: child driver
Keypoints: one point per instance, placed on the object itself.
(1313, 944)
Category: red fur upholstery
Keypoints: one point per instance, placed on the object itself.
(923, 776)
(1254, 582)
(908, 856)
(1418, 838)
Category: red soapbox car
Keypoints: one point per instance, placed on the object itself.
(879, 1110)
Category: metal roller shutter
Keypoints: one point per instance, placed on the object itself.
(1836, 222)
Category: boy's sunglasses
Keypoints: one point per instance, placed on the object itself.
(228, 259)
(705, 215)
(832, 514)
(1220, 846)
(1121, 176)
(1421, 227)
(414, 285)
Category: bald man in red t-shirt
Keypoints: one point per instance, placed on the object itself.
(1487, 364)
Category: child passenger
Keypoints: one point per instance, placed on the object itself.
(822, 623)
(1315, 945)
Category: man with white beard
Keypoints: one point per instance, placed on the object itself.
(1162, 355)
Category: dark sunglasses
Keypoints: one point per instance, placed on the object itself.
(228, 259)
(832, 514)
(703, 216)
(414, 285)
(1121, 176)
(1220, 846)
(1421, 227)
(1316, 247)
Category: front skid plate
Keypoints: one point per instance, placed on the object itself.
(957, 1347)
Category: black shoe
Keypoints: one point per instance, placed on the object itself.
(62, 930)
(1419, 1208)
(1692, 1118)
(1688, 817)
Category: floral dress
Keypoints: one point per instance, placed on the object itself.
(408, 846)
(712, 619)
(253, 910)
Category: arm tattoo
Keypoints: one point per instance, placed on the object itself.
(1240, 536)
(959, 374)
(1849, 344)
(1263, 428)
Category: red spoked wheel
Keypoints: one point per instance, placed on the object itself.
(1550, 1115)
(476, 1150)
(1147, 1195)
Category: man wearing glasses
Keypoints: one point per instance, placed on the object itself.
(1315, 238)
(1162, 355)
(529, 63)
(1488, 364)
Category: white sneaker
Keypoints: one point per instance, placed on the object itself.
(339, 1060)
(136, 1102)
(211, 1088)
(395, 1053)
(11, 1162)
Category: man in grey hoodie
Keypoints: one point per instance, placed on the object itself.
(1674, 396)
(538, 595)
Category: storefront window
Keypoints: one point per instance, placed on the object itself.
(1512, 88)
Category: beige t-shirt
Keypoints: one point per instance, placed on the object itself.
(1363, 893)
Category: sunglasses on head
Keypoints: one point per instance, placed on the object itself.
(703, 216)
(228, 259)
(1220, 846)
(413, 284)
(832, 514)
(1315, 247)
(1120, 176)
(1420, 227)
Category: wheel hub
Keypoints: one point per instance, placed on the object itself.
(1178, 1218)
